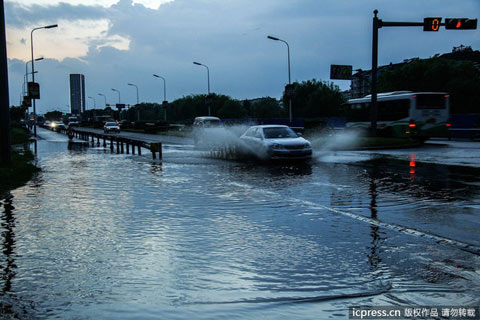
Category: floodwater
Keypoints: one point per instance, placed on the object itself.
(98, 235)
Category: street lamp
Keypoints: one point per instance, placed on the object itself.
(94, 102)
(33, 74)
(164, 95)
(118, 94)
(289, 80)
(164, 86)
(101, 94)
(133, 85)
(208, 79)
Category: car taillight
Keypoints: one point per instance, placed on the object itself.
(448, 124)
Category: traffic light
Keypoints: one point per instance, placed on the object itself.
(460, 24)
(431, 24)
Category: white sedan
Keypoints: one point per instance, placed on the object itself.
(276, 142)
(111, 127)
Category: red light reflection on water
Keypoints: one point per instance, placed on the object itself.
(412, 165)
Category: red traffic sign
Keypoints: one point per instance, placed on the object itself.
(460, 24)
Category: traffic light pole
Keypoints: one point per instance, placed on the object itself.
(5, 146)
(377, 24)
(373, 105)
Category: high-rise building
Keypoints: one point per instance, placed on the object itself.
(77, 93)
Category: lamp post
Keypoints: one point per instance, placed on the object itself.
(289, 79)
(118, 100)
(5, 144)
(33, 74)
(101, 94)
(136, 87)
(118, 94)
(208, 80)
(164, 86)
(164, 95)
(94, 102)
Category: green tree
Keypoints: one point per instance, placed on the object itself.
(461, 79)
(232, 109)
(314, 99)
(53, 115)
(266, 107)
(17, 113)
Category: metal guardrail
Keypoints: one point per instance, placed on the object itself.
(118, 143)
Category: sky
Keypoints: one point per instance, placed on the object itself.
(116, 42)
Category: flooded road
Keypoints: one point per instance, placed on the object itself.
(98, 235)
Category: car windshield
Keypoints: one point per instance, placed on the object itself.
(279, 132)
(111, 124)
(212, 123)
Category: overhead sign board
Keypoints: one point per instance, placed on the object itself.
(340, 72)
(120, 106)
(33, 90)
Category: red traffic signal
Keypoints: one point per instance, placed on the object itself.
(431, 24)
(460, 24)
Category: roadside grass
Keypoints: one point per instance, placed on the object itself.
(19, 135)
(21, 169)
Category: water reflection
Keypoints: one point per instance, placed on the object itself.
(374, 258)
(202, 238)
(412, 166)
(8, 245)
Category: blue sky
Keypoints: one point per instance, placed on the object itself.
(114, 43)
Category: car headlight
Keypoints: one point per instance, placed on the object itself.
(276, 146)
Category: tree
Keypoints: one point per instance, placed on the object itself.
(232, 109)
(17, 113)
(314, 99)
(266, 107)
(53, 115)
(461, 79)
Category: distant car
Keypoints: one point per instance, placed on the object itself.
(111, 127)
(74, 123)
(57, 125)
(201, 129)
(275, 142)
(47, 123)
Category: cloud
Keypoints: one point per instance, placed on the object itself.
(20, 16)
(128, 42)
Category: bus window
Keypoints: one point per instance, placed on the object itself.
(431, 101)
(358, 112)
(392, 110)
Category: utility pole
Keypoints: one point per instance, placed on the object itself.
(5, 144)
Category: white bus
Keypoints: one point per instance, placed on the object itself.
(402, 113)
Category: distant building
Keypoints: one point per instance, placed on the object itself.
(361, 81)
(77, 93)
